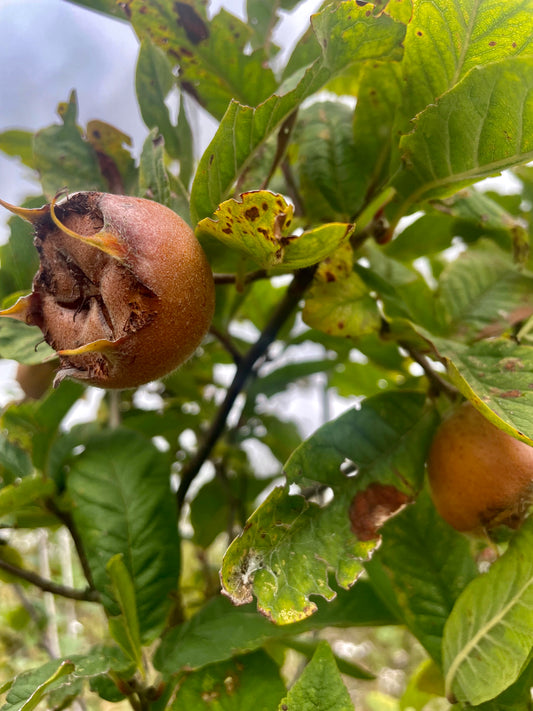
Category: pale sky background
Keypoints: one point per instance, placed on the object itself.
(49, 47)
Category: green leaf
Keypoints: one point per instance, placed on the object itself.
(386, 440)
(257, 224)
(429, 564)
(120, 490)
(327, 164)
(22, 698)
(496, 376)
(484, 125)
(250, 683)
(19, 259)
(64, 158)
(284, 553)
(348, 35)
(153, 179)
(341, 307)
(378, 98)
(220, 630)
(14, 460)
(124, 628)
(444, 41)
(115, 160)
(153, 82)
(488, 637)
(108, 7)
(23, 343)
(30, 687)
(18, 143)
(320, 686)
(35, 424)
(213, 64)
(27, 491)
(484, 294)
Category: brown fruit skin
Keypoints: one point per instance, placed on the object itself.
(36, 379)
(149, 304)
(479, 476)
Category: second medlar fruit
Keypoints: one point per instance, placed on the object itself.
(480, 476)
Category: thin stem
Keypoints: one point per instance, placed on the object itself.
(292, 188)
(284, 136)
(87, 595)
(297, 288)
(228, 344)
(438, 384)
(67, 521)
(246, 279)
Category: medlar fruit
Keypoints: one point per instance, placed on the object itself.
(123, 293)
(480, 476)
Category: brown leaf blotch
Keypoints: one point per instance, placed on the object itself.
(371, 508)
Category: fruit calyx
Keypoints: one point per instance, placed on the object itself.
(123, 293)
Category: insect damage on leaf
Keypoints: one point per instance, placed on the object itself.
(371, 508)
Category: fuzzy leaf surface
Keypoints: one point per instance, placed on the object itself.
(496, 375)
(258, 225)
(120, 489)
(64, 158)
(220, 630)
(484, 125)
(320, 686)
(386, 439)
(30, 687)
(249, 683)
(488, 637)
(483, 294)
(348, 35)
(429, 564)
(444, 41)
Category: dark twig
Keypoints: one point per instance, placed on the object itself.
(246, 279)
(438, 384)
(228, 344)
(292, 296)
(66, 520)
(284, 137)
(87, 595)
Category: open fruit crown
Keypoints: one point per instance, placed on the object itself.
(124, 293)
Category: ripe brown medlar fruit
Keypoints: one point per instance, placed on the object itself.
(480, 476)
(124, 292)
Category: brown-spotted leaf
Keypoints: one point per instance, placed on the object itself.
(259, 226)
(339, 301)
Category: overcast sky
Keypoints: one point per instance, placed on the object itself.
(49, 47)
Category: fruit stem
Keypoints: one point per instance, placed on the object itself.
(302, 279)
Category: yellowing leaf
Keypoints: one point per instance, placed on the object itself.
(258, 224)
(338, 302)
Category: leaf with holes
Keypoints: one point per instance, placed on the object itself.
(285, 551)
(349, 36)
(288, 545)
(258, 226)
